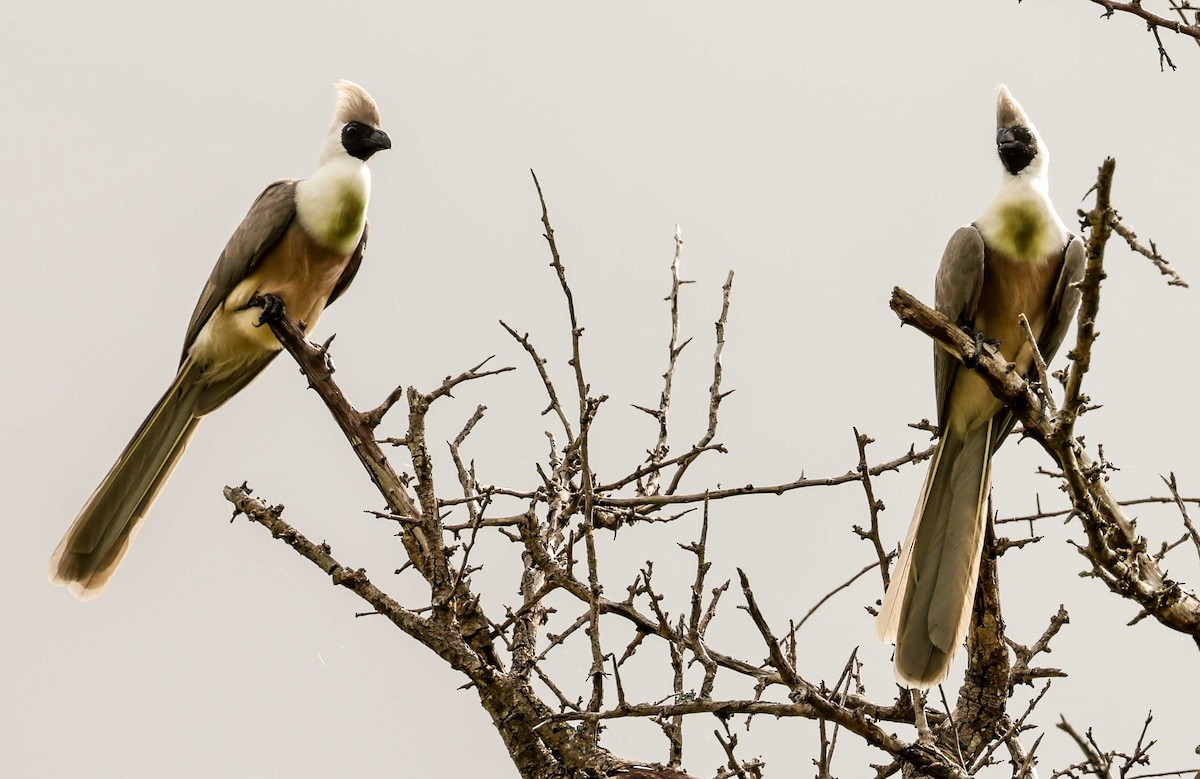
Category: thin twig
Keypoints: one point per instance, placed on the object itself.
(874, 506)
(715, 395)
(1154, 23)
(833, 592)
(1151, 252)
(674, 349)
(1187, 520)
(1040, 362)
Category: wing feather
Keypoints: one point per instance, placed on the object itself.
(956, 295)
(261, 228)
(1065, 300)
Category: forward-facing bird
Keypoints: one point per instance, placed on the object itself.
(1016, 258)
(297, 249)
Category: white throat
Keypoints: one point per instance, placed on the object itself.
(1020, 220)
(332, 204)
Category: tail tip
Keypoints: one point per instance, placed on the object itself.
(83, 589)
(921, 681)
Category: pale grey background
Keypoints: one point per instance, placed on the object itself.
(824, 151)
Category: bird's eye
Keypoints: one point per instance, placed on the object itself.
(351, 129)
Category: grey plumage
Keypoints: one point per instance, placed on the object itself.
(270, 214)
(1017, 258)
(303, 246)
(100, 535)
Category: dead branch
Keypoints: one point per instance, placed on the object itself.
(552, 727)
(1154, 23)
(1150, 253)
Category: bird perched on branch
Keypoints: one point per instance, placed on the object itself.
(1016, 258)
(298, 248)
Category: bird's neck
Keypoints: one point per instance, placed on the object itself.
(1021, 222)
(332, 204)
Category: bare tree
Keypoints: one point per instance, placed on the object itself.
(553, 725)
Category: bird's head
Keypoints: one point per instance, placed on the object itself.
(355, 129)
(1017, 141)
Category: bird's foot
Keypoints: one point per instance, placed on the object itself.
(981, 340)
(272, 307)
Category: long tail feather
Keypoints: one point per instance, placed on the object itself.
(928, 605)
(887, 624)
(89, 553)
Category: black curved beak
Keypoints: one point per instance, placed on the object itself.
(1017, 147)
(378, 141)
(1006, 138)
(362, 146)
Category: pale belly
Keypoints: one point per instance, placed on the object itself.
(1011, 288)
(303, 276)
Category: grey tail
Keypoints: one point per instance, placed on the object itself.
(928, 606)
(92, 549)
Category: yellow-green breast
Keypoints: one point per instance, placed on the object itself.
(1022, 231)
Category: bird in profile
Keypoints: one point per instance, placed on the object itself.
(297, 249)
(1016, 258)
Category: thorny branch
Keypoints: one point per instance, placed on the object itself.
(1184, 24)
(674, 349)
(552, 726)
(1114, 764)
(1151, 253)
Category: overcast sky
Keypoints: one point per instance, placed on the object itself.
(823, 151)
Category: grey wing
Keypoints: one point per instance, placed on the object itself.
(261, 228)
(351, 270)
(956, 295)
(1065, 300)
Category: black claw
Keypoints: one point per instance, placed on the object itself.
(272, 307)
(978, 335)
(980, 340)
